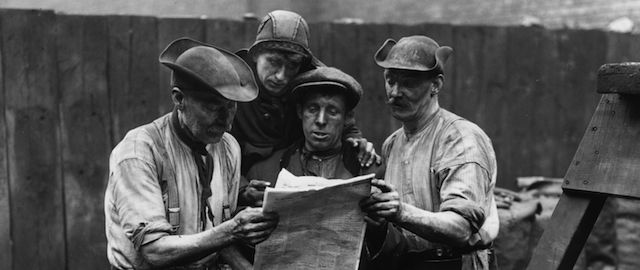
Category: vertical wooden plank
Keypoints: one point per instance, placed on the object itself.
(469, 97)
(6, 258)
(343, 37)
(133, 73)
(226, 34)
(321, 41)
(119, 72)
(546, 127)
(170, 29)
(372, 110)
(522, 55)
(84, 109)
(144, 69)
(37, 223)
(579, 60)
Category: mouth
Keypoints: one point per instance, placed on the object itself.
(276, 85)
(320, 136)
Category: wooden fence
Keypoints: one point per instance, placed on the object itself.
(71, 86)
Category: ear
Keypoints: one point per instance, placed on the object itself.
(177, 96)
(438, 81)
(299, 110)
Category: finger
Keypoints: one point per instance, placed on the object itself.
(383, 206)
(372, 154)
(378, 159)
(352, 141)
(370, 221)
(259, 184)
(389, 214)
(382, 185)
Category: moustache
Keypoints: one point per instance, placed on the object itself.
(395, 102)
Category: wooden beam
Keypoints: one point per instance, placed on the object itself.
(619, 78)
(568, 229)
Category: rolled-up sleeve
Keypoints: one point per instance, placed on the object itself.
(137, 198)
(463, 191)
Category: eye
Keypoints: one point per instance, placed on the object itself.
(312, 108)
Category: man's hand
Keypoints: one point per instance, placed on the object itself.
(366, 152)
(253, 226)
(384, 204)
(254, 192)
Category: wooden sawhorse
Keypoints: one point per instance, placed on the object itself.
(607, 163)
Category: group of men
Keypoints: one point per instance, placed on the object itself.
(189, 185)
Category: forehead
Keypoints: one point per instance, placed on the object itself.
(327, 97)
(207, 97)
(284, 55)
(404, 73)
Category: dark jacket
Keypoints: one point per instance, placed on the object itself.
(269, 123)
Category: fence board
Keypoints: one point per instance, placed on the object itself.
(494, 73)
(321, 43)
(118, 74)
(225, 34)
(170, 29)
(580, 59)
(82, 67)
(6, 259)
(133, 57)
(467, 81)
(37, 222)
(372, 113)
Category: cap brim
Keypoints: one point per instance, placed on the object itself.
(246, 91)
(352, 99)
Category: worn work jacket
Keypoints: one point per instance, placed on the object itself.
(135, 209)
(447, 165)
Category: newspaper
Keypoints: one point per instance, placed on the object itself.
(321, 225)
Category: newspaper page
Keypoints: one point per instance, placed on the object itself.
(321, 225)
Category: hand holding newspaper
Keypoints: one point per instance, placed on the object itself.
(321, 225)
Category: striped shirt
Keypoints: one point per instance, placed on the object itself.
(135, 211)
(448, 165)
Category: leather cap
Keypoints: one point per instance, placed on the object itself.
(214, 68)
(328, 77)
(285, 31)
(418, 53)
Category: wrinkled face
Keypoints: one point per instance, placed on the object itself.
(408, 93)
(207, 117)
(323, 118)
(276, 69)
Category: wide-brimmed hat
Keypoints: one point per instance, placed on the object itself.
(418, 53)
(285, 31)
(214, 68)
(324, 77)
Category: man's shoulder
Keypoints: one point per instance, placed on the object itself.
(458, 126)
(229, 145)
(140, 141)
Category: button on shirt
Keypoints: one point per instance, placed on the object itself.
(135, 212)
(448, 165)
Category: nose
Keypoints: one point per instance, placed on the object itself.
(321, 118)
(393, 90)
(281, 73)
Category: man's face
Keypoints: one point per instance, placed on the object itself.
(323, 118)
(208, 117)
(276, 69)
(408, 93)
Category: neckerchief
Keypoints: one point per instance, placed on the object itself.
(205, 170)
